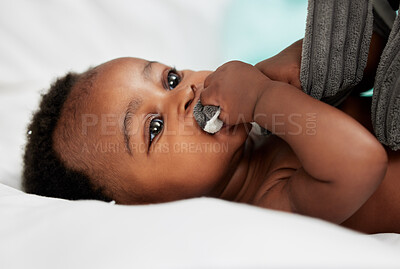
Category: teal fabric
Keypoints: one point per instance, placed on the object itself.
(367, 93)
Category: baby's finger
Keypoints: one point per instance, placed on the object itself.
(209, 79)
(224, 117)
(231, 118)
(208, 97)
(295, 82)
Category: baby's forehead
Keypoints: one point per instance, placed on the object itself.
(104, 92)
(120, 66)
(117, 77)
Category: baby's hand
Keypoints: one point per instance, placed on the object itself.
(235, 87)
(285, 66)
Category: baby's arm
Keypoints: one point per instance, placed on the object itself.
(342, 162)
(285, 66)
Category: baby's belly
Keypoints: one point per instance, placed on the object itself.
(381, 212)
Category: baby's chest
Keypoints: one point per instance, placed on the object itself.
(280, 156)
(281, 163)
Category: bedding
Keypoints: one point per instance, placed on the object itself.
(39, 232)
(43, 39)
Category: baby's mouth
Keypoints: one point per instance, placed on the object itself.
(207, 117)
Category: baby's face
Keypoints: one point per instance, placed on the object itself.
(139, 119)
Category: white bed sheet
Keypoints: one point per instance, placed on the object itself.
(38, 232)
(43, 39)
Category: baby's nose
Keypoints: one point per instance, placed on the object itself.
(184, 99)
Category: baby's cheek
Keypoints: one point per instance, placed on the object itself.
(202, 154)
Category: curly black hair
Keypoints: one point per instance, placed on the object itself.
(44, 172)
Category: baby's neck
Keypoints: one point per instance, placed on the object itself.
(245, 180)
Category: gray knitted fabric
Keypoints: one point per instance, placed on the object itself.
(205, 117)
(335, 47)
(205, 114)
(385, 108)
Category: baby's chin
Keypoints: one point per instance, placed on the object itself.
(234, 136)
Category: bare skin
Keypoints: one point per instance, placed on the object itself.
(322, 170)
(283, 171)
(379, 213)
(182, 161)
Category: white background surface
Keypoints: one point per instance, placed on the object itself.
(38, 232)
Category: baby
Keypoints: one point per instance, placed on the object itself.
(125, 131)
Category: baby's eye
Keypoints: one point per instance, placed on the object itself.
(173, 79)
(155, 128)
